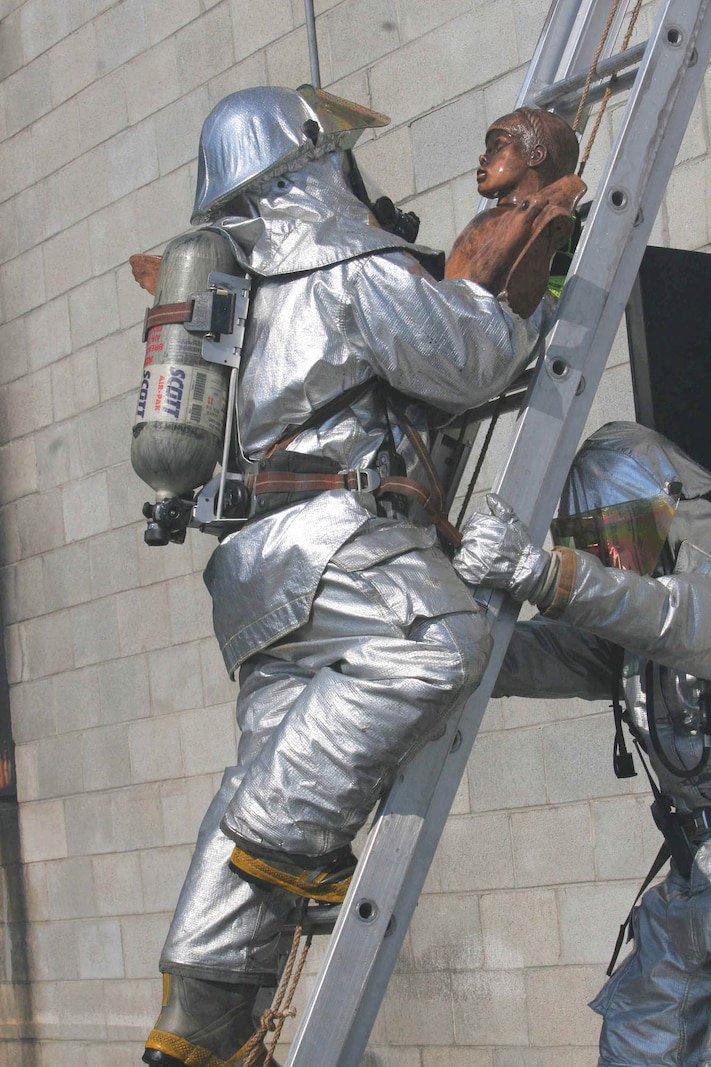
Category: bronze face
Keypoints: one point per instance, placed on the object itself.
(505, 165)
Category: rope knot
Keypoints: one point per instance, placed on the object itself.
(273, 1017)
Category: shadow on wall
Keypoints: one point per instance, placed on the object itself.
(17, 1031)
(16, 1023)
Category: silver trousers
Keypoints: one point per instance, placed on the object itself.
(656, 1007)
(327, 716)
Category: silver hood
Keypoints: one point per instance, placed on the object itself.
(309, 219)
(624, 461)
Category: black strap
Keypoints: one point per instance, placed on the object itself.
(622, 761)
(675, 845)
(435, 505)
(669, 824)
(498, 407)
(626, 927)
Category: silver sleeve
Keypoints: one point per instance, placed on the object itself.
(666, 619)
(450, 343)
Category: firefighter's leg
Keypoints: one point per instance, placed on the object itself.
(222, 948)
(390, 649)
(223, 943)
(383, 650)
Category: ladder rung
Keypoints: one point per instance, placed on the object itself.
(316, 919)
(621, 83)
(607, 67)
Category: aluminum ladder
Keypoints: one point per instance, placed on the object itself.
(662, 78)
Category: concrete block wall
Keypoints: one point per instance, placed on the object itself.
(122, 713)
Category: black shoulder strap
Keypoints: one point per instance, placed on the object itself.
(622, 761)
(626, 927)
(624, 768)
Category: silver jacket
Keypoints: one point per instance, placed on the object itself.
(339, 301)
(665, 619)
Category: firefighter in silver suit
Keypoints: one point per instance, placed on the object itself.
(351, 634)
(639, 511)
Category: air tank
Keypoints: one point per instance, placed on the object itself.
(180, 415)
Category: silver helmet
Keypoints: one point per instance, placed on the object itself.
(622, 494)
(263, 132)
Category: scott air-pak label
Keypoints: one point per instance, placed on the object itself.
(180, 394)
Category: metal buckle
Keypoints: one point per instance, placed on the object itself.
(702, 819)
(213, 313)
(367, 481)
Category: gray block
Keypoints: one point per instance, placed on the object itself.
(95, 632)
(124, 690)
(490, 1008)
(70, 887)
(99, 948)
(120, 33)
(552, 846)
(204, 48)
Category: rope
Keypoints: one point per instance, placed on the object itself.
(591, 76)
(480, 461)
(273, 1018)
(593, 65)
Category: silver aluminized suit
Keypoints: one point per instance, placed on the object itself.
(657, 1005)
(352, 634)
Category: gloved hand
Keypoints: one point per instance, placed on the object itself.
(497, 552)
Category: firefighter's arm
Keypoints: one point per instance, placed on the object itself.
(450, 343)
(665, 619)
(497, 552)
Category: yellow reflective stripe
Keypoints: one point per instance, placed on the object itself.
(192, 1055)
(189, 1054)
(304, 884)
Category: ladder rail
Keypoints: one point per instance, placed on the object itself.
(567, 44)
(592, 281)
(363, 948)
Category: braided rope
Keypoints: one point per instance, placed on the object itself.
(591, 75)
(593, 65)
(274, 1017)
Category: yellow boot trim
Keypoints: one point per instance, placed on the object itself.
(305, 884)
(188, 1054)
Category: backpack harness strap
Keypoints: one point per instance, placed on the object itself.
(678, 830)
(300, 484)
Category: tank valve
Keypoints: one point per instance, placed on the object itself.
(167, 520)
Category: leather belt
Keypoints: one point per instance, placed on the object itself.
(358, 481)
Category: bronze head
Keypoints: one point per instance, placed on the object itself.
(525, 151)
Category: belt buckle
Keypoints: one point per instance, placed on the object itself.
(367, 481)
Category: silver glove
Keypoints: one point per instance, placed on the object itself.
(497, 552)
